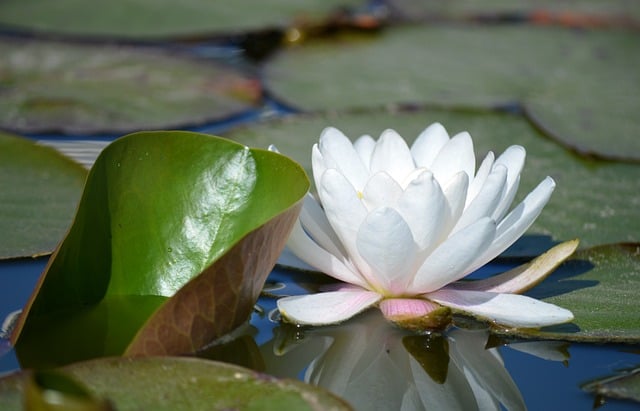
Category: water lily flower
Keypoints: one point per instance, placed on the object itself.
(400, 227)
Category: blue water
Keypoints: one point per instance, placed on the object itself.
(544, 384)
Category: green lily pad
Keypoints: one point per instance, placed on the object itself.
(624, 385)
(594, 201)
(562, 77)
(148, 19)
(171, 383)
(39, 192)
(594, 9)
(86, 89)
(599, 285)
(172, 242)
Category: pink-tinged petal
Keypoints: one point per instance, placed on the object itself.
(524, 277)
(507, 309)
(450, 260)
(481, 176)
(303, 247)
(457, 155)
(512, 158)
(364, 146)
(487, 199)
(391, 154)
(380, 191)
(518, 221)
(455, 190)
(326, 308)
(315, 223)
(394, 308)
(428, 144)
(339, 148)
(425, 209)
(386, 244)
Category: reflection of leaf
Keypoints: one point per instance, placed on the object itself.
(594, 201)
(564, 77)
(74, 88)
(625, 385)
(39, 190)
(599, 285)
(164, 214)
(157, 18)
(177, 384)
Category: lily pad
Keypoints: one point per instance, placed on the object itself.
(172, 242)
(562, 77)
(87, 89)
(148, 19)
(584, 10)
(599, 285)
(171, 383)
(39, 191)
(594, 201)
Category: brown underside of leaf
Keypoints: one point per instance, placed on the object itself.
(218, 300)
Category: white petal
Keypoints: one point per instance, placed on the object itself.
(481, 175)
(392, 155)
(326, 308)
(318, 165)
(487, 199)
(335, 145)
(345, 213)
(380, 191)
(450, 260)
(457, 155)
(428, 144)
(512, 158)
(424, 207)
(456, 191)
(303, 247)
(523, 277)
(315, 223)
(518, 221)
(364, 146)
(386, 244)
(507, 309)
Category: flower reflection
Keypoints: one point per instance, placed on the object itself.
(374, 366)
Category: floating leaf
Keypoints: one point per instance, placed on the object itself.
(39, 191)
(147, 19)
(563, 77)
(75, 88)
(599, 285)
(624, 385)
(594, 201)
(176, 384)
(173, 239)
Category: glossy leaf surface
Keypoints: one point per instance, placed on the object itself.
(175, 384)
(174, 237)
(86, 89)
(39, 191)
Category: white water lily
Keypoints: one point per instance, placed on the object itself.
(401, 226)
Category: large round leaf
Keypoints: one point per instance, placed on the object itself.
(594, 201)
(157, 18)
(564, 77)
(175, 384)
(183, 215)
(39, 191)
(74, 88)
